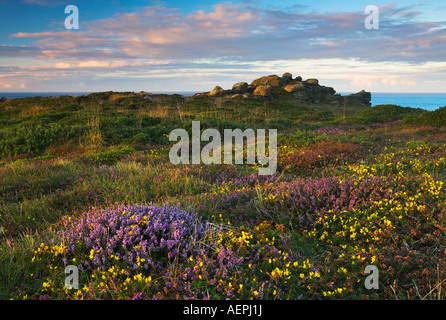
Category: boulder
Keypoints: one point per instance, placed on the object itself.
(328, 90)
(251, 89)
(204, 94)
(272, 80)
(262, 90)
(314, 82)
(315, 93)
(241, 87)
(309, 91)
(218, 91)
(294, 87)
(237, 96)
(362, 97)
(301, 95)
(287, 75)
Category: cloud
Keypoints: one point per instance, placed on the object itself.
(241, 31)
(345, 75)
(44, 3)
(19, 51)
(231, 41)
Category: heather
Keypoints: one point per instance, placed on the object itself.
(347, 194)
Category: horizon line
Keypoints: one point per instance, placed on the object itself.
(169, 91)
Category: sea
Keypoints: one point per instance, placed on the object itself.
(426, 101)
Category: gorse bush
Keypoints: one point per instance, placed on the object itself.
(34, 139)
(436, 118)
(383, 114)
(108, 157)
(35, 135)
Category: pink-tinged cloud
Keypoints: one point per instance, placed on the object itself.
(250, 34)
(230, 43)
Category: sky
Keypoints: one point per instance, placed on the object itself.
(177, 46)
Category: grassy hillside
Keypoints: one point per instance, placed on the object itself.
(436, 118)
(383, 114)
(48, 126)
(87, 181)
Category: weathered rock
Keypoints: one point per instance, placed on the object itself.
(309, 91)
(204, 94)
(327, 90)
(272, 80)
(262, 90)
(314, 92)
(362, 97)
(287, 75)
(218, 91)
(251, 89)
(314, 82)
(237, 96)
(241, 87)
(294, 87)
(302, 95)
